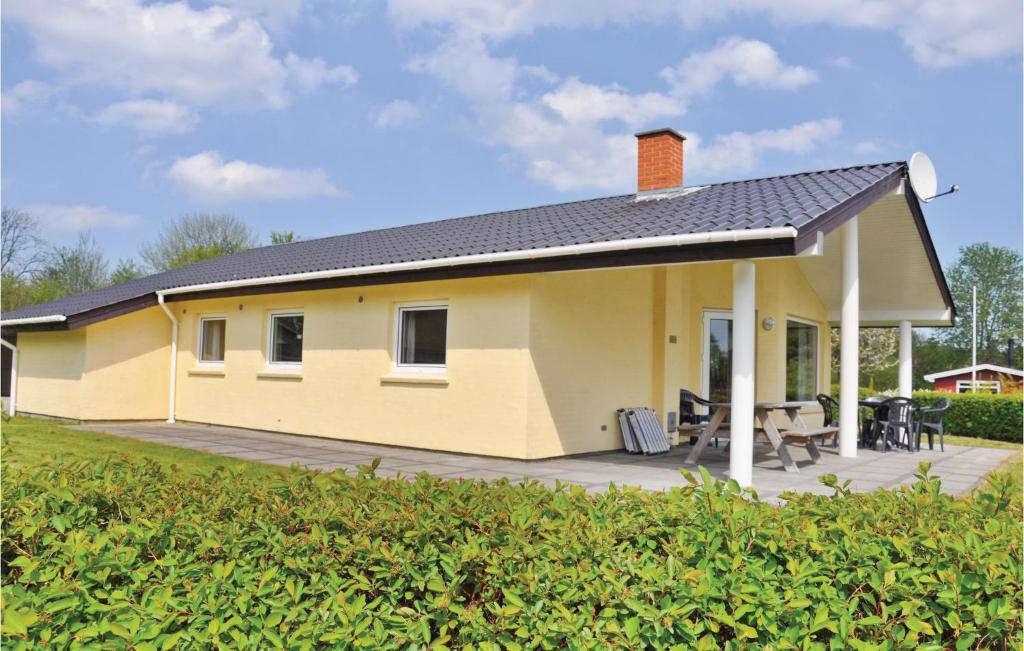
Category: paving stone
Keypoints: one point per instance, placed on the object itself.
(960, 468)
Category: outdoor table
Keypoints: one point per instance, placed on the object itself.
(873, 404)
(762, 414)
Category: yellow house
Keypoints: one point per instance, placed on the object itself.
(516, 334)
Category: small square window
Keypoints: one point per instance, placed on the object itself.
(285, 339)
(422, 336)
(211, 340)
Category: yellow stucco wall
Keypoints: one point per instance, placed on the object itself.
(347, 388)
(111, 370)
(126, 370)
(50, 368)
(537, 364)
(590, 353)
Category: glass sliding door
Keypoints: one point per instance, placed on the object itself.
(716, 359)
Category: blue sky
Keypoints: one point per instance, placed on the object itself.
(325, 118)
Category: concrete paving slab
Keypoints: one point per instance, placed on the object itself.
(961, 468)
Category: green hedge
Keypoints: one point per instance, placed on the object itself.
(999, 417)
(129, 555)
(982, 415)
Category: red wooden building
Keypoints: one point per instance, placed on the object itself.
(989, 377)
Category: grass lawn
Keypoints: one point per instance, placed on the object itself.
(31, 441)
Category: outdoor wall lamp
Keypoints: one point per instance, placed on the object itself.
(768, 323)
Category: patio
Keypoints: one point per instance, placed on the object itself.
(960, 468)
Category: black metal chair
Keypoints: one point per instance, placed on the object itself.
(688, 401)
(898, 422)
(932, 421)
(830, 409)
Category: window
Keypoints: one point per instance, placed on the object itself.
(286, 338)
(422, 339)
(211, 340)
(801, 360)
(982, 386)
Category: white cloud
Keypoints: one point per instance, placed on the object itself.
(24, 96)
(149, 116)
(746, 62)
(741, 152)
(573, 135)
(396, 114)
(939, 33)
(841, 61)
(80, 217)
(208, 176)
(575, 101)
(210, 58)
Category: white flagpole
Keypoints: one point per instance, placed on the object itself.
(974, 339)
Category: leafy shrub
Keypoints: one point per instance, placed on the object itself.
(982, 415)
(120, 554)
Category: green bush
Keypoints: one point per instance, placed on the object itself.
(120, 554)
(982, 415)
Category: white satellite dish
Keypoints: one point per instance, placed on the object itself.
(922, 177)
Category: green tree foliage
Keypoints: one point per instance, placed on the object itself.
(932, 355)
(996, 272)
(196, 237)
(126, 553)
(282, 237)
(126, 270)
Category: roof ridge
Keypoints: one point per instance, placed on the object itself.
(809, 172)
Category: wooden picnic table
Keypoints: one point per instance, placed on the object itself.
(768, 430)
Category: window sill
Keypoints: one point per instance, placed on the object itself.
(415, 378)
(279, 374)
(214, 371)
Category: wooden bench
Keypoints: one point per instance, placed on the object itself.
(808, 436)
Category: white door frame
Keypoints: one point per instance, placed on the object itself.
(705, 348)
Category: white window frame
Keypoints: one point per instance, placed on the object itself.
(705, 352)
(270, 339)
(964, 386)
(202, 339)
(396, 351)
(817, 356)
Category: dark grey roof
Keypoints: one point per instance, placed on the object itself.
(792, 200)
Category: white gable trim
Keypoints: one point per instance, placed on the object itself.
(980, 367)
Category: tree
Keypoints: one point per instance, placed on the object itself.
(878, 358)
(126, 270)
(931, 355)
(283, 237)
(21, 249)
(196, 237)
(75, 269)
(996, 272)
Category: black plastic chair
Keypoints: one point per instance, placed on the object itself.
(932, 421)
(830, 409)
(688, 400)
(899, 423)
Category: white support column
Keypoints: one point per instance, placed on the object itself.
(849, 342)
(906, 359)
(741, 416)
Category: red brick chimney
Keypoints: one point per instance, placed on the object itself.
(659, 160)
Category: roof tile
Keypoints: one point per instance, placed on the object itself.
(792, 200)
